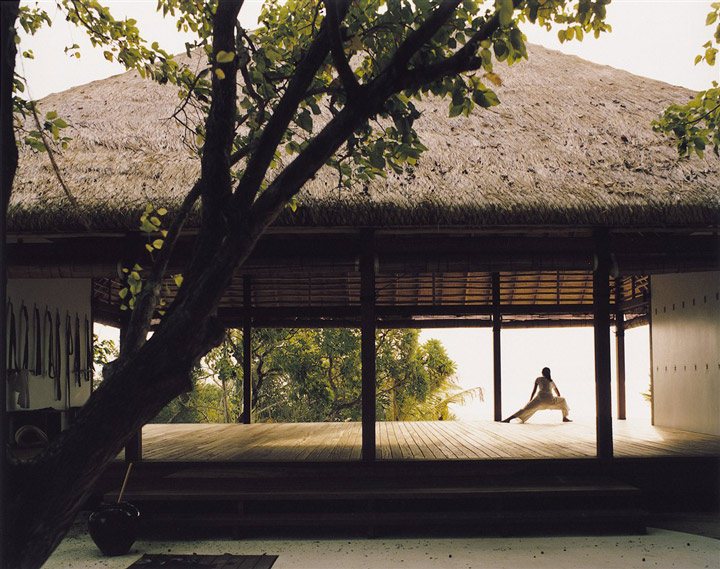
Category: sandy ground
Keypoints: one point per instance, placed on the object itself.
(659, 548)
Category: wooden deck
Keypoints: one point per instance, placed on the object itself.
(421, 440)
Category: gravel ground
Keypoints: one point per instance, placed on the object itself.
(659, 548)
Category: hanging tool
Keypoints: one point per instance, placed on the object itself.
(24, 361)
(56, 357)
(48, 334)
(22, 377)
(77, 367)
(37, 335)
(68, 352)
(88, 350)
(12, 359)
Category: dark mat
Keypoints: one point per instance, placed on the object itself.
(226, 561)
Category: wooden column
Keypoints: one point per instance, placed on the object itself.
(620, 351)
(497, 351)
(368, 324)
(133, 446)
(601, 310)
(247, 351)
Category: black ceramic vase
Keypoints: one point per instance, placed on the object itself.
(114, 527)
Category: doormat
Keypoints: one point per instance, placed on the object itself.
(226, 561)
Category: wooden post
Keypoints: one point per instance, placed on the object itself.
(601, 311)
(247, 351)
(8, 14)
(133, 446)
(497, 352)
(368, 324)
(620, 351)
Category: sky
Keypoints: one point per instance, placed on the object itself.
(653, 38)
(658, 39)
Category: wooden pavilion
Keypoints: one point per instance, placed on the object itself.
(560, 207)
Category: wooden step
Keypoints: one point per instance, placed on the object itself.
(395, 518)
(368, 493)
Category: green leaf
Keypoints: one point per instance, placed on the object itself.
(505, 12)
(455, 110)
(485, 98)
(304, 120)
(225, 56)
(51, 115)
(501, 50)
(158, 243)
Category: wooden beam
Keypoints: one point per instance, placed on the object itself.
(247, 351)
(497, 351)
(603, 398)
(637, 253)
(620, 352)
(298, 316)
(367, 348)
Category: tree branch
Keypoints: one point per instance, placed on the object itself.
(147, 300)
(333, 9)
(220, 130)
(418, 38)
(461, 61)
(277, 125)
(51, 155)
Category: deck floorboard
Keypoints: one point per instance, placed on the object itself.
(421, 440)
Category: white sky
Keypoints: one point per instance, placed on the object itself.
(653, 38)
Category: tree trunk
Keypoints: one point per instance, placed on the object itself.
(48, 492)
(8, 51)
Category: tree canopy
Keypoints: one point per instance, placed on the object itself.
(696, 125)
(313, 375)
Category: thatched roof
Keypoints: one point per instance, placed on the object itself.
(571, 145)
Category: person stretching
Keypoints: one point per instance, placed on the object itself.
(542, 398)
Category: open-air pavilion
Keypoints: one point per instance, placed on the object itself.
(560, 207)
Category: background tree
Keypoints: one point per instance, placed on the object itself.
(360, 61)
(696, 125)
(313, 375)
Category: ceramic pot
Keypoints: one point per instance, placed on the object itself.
(114, 527)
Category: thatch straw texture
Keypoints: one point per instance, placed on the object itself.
(571, 145)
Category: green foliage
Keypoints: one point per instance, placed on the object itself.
(309, 375)
(104, 351)
(696, 125)
(202, 404)
(151, 225)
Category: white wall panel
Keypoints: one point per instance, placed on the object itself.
(686, 351)
(68, 299)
